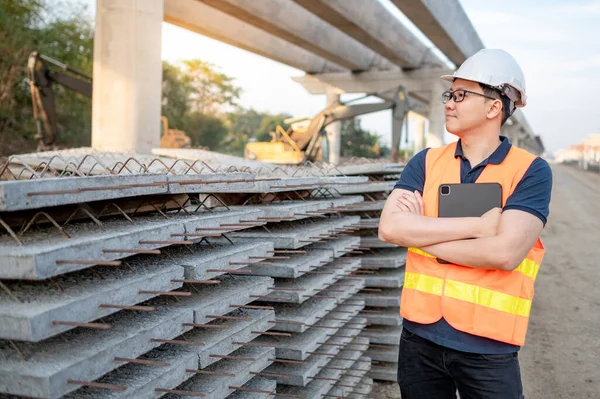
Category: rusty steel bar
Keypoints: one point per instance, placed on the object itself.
(250, 390)
(195, 235)
(218, 327)
(166, 293)
(276, 334)
(97, 326)
(132, 251)
(358, 361)
(179, 392)
(342, 336)
(208, 372)
(295, 323)
(269, 297)
(177, 342)
(320, 296)
(252, 307)
(288, 361)
(99, 385)
(141, 361)
(165, 242)
(240, 358)
(228, 271)
(126, 307)
(229, 318)
(197, 281)
(251, 344)
(89, 262)
(249, 263)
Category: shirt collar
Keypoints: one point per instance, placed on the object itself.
(497, 156)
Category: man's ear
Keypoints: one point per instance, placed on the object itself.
(495, 109)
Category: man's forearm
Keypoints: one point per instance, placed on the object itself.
(412, 230)
(486, 253)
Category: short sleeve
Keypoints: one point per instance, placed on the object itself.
(533, 192)
(413, 176)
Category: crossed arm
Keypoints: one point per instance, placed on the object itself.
(496, 240)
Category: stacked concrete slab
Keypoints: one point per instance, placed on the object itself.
(382, 265)
(134, 276)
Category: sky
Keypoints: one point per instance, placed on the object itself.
(556, 42)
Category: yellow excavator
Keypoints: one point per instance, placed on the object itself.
(41, 80)
(304, 140)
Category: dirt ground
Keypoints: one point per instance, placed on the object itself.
(561, 358)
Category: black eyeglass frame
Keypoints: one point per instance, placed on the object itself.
(451, 95)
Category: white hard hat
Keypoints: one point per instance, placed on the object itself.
(495, 68)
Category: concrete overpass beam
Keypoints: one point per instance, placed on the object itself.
(380, 83)
(201, 18)
(446, 24)
(127, 75)
(334, 130)
(291, 22)
(365, 82)
(372, 24)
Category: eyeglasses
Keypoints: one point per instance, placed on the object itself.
(459, 95)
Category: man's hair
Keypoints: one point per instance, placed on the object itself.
(506, 103)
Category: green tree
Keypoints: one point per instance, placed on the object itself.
(205, 130)
(268, 124)
(211, 91)
(248, 124)
(358, 142)
(175, 93)
(25, 26)
(193, 95)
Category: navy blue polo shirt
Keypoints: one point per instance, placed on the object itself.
(531, 195)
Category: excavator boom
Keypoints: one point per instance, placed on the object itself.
(298, 146)
(41, 80)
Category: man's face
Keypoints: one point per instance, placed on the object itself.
(469, 113)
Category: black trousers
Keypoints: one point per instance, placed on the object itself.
(427, 370)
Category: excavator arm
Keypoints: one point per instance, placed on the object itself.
(305, 144)
(313, 135)
(41, 79)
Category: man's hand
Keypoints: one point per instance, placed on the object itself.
(490, 222)
(411, 202)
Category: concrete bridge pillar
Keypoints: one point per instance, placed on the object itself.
(437, 119)
(126, 101)
(334, 130)
(420, 143)
(397, 125)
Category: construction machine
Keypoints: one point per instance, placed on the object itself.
(304, 140)
(41, 80)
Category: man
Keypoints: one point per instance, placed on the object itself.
(465, 321)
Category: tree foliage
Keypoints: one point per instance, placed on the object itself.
(25, 26)
(358, 142)
(196, 96)
(248, 124)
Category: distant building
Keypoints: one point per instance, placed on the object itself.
(586, 153)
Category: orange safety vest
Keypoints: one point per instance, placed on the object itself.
(488, 303)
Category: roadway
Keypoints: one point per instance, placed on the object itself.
(561, 357)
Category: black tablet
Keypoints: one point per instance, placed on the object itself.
(468, 199)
